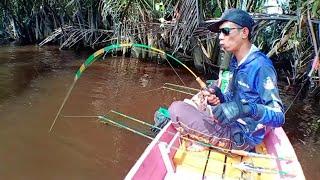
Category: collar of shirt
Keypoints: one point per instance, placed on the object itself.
(252, 49)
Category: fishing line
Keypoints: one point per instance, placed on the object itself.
(183, 87)
(174, 85)
(175, 72)
(189, 93)
(93, 57)
(64, 101)
(171, 68)
(166, 88)
(295, 97)
(306, 80)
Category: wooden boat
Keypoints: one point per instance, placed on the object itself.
(166, 158)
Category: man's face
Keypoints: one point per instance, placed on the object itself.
(233, 40)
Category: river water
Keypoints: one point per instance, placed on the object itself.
(34, 81)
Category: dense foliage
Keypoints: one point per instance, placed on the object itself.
(288, 30)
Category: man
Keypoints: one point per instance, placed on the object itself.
(240, 117)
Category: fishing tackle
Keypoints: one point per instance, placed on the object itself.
(102, 51)
(247, 167)
(243, 166)
(230, 151)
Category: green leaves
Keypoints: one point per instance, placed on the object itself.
(316, 9)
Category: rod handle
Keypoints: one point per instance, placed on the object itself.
(201, 83)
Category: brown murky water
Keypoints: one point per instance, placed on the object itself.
(33, 83)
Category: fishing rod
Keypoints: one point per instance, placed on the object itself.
(176, 89)
(182, 87)
(232, 151)
(217, 148)
(243, 166)
(108, 120)
(172, 89)
(100, 52)
(93, 57)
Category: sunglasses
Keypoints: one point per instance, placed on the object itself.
(226, 31)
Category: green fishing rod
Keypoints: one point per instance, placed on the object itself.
(92, 58)
(231, 151)
(247, 167)
(105, 119)
(243, 166)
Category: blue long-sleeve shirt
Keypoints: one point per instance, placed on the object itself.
(255, 81)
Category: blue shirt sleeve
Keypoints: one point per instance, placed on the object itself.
(271, 107)
(228, 96)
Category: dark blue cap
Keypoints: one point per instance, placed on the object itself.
(238, 16)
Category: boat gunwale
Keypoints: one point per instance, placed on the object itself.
(131, 174)
(275, 141)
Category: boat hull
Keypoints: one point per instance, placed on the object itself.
(161, 160)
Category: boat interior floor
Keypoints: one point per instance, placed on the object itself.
(210, 164)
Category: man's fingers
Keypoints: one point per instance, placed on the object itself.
(213, 99)
(216, 101)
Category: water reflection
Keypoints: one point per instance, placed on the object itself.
(20, 65)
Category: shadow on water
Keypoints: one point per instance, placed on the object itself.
(34, 81)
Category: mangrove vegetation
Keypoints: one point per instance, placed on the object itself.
(286, 30)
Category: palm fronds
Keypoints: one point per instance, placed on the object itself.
(177, 28)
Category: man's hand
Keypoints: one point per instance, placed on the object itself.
(214, 95)
(227, 112)
(231, 111)
(213, 100)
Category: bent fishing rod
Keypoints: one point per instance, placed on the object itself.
(92, 58)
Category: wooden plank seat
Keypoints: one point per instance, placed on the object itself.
(210, 164)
